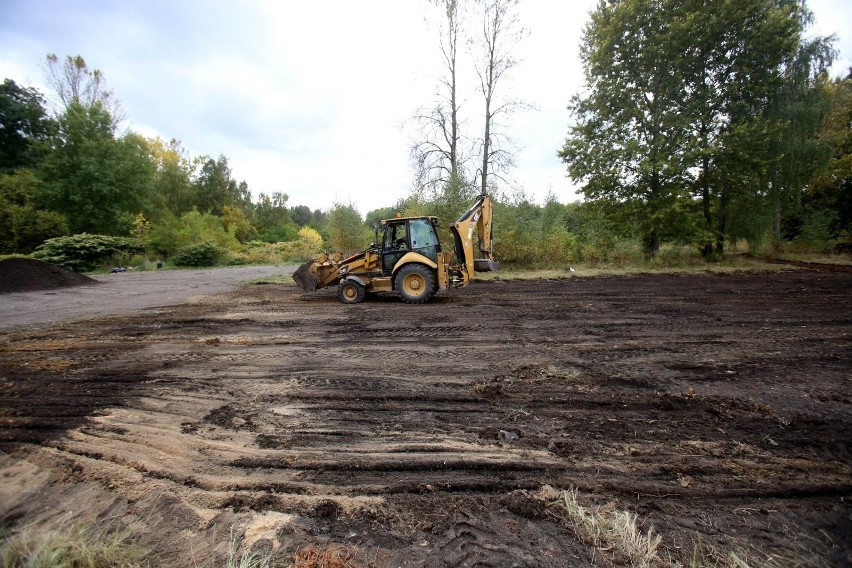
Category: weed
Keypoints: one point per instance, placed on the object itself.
(612, 531)
(76, 546)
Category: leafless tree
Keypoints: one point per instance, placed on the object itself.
(499, 33)
(438, 155)
(74, 82)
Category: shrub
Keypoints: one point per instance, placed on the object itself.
(85, 252)
(199, 254)
(311, 238)
(256, 252)
(173, 234)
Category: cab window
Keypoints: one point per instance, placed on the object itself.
(422, 234)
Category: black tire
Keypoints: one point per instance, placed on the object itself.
(351, 292)
(415, 283)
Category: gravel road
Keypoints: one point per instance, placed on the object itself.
(125, 293)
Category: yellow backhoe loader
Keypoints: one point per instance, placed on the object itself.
(406, 257)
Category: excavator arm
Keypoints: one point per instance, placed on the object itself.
(478, 218)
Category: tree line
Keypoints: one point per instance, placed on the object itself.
(711, 121)
(701, 124)
(71, 171)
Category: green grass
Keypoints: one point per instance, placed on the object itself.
(76, 546)
(282, 279)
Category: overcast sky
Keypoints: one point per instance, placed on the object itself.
(312, 98)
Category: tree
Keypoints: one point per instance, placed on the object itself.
(627, 143)
(301, 215)
(215, 187)
(499, 32)
(23, 225)
(97, 181)
(801, 105)
(272, 218)
(76, 84)
(236, 221)
(677, 101)
(437, 155)
(735, 56)
(24, 126)
(346, 230)
(173, 234)
(173, 178)
(831, 190)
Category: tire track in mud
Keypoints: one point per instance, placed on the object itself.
(675, 404)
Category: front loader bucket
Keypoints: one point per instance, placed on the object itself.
(305, 278)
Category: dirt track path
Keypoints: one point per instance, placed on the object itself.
(125, 293)
(715, 407)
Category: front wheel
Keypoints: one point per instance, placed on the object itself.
(415, 283)
(351, 292)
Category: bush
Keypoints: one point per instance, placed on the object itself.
(85, 252)
(172, 234)
(199, 254)
(256, 252)
(311, 238)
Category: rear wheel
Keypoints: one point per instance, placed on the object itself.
(351, 292)
(415, 283)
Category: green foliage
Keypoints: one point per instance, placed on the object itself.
(258, 252)
(88, 179)
(279, 234)
(84, 252)
(172, 234)
(23, 126)
(831, 190)
(346, 230)
(97, 181)
(684, 101)
(311, 238)
(173, 189)
(215, 188)
(273, 219)
(22, 225)
(199, 254)
(236, 221)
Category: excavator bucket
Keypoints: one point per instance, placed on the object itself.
(485, 265)
(305, 277)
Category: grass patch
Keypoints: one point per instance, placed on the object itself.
(76, 546)
(613, 533)
(616, 536)
(282, 279)
(731, 264)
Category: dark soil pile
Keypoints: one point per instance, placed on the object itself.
(27, 275)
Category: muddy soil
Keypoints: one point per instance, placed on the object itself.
(717, 408)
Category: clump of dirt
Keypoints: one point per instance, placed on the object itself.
(28, 275)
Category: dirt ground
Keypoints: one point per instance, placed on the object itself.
(717, 408)
(120, 293)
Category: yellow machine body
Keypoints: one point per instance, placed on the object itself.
(408, 258)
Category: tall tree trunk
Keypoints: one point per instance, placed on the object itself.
(721, 227)
(486, 145)
(707, 250)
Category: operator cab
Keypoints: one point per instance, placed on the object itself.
(409, 234)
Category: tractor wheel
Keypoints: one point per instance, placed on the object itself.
(351, 292)
(415, 283)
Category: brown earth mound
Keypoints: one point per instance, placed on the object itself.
(27, 275)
